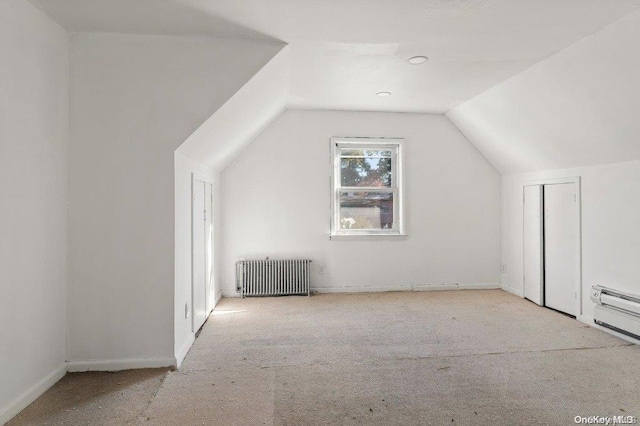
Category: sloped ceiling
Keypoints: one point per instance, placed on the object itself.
(344, 52)
(157, 17)
(262, 99)
(577, 108)
(574, 108)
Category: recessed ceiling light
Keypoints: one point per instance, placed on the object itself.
(417, 60)
(383, 94)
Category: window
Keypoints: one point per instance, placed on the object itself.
(366, 187)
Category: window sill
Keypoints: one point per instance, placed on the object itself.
(361, 237)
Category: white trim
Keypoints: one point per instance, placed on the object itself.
(218, 297)
(479, 286)
(585, 319)
(194, 179)
(576, 180)
(540, 190)
(397, 186)
(119, 364)
(233, 295)
(198, 177)
(201, 178)
(512, 290)
(553, 181)
(456, 286)
(436, 287)
(21, 402)
(407, 287)
(184, 350)
(367, 237)
(321, 290)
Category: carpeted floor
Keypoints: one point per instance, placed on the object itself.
(407, 358)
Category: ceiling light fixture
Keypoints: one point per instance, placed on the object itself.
(382, 94)
(417, 60)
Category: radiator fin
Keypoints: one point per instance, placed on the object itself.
(273, 277)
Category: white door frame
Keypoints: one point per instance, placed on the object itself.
(196, 177)
(577, 182)
(540, 221)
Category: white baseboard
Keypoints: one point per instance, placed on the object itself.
(229, 293)
(512, 290)
(479, 286)
(359, 289)
(119, 364)
(425, 287)
(184, 350)
(436, 287)
(218, 297)
(21, 402)
(460, 286)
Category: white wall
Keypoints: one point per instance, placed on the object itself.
(275, 202)
(134, 100)
(577, 108)
(33, 203)
(610, 227)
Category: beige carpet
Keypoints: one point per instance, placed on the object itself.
(94, 399)
(458, 357)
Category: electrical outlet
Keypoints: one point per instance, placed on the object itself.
(322, 268)
(504, 268)
(187, 312)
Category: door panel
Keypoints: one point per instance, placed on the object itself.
(533, 244)
(208, 229)
(561, 247)
(199, 283)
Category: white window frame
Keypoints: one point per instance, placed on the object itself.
(397, 178)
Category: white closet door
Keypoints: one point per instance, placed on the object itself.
(199, 283)
(208, 228)
(533, 244)
(561, 247)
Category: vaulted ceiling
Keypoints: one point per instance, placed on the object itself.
(577, 108)
(344, 52)
(534, 85)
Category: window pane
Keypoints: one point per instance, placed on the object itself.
(366, 210)
(364, 167)
(348, 152)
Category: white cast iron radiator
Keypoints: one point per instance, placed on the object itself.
(616, 310)
(273, 277)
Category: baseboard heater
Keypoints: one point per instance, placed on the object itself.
(273, 277)
(616, 310)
